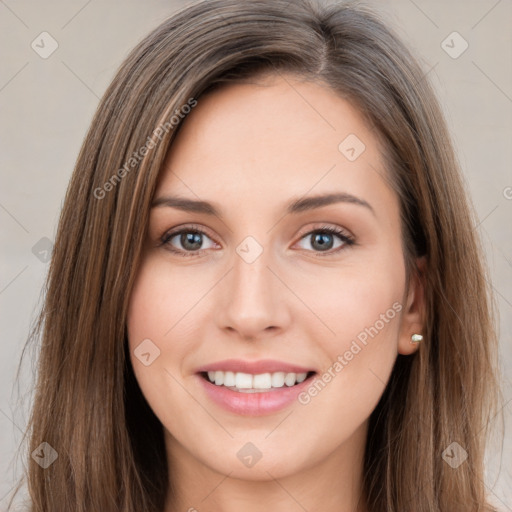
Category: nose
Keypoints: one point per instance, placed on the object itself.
(252, 299)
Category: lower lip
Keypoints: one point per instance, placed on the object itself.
(254, 404)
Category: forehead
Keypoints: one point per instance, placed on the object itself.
(277, 136)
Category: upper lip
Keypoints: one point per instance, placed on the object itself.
(253, 367)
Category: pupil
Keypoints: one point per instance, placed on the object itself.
(194, 239)
(323, 240)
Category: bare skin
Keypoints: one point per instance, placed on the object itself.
(250, 150)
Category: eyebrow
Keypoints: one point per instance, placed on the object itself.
(296, 206)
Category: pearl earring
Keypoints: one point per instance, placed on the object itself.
(416, 338)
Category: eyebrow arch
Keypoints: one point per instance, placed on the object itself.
(311, 202)
(296, 206)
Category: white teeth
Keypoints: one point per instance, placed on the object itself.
(243, 380)
(278, 379)
(229, 379)
(263, 381)
(301, 377)
(289, 380)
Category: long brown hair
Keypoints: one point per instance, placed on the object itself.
(88, 406)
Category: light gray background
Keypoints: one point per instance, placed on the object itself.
(46, 106)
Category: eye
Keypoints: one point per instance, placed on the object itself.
(190, 238)
(322, 240)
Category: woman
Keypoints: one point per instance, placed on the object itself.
(266, 291)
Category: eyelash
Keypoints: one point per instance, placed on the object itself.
(347, 240)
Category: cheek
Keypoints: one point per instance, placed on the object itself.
(152, 312)
(360, 300)
(160, 303)
(144, 318)
(364, 310)
(164, 307)
(360, 309)
(154, 308)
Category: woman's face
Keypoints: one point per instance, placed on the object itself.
(240, 278)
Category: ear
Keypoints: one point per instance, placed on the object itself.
(413, 317)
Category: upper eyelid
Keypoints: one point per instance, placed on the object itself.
(188, 227)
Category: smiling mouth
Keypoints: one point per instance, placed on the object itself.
(260, 383)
